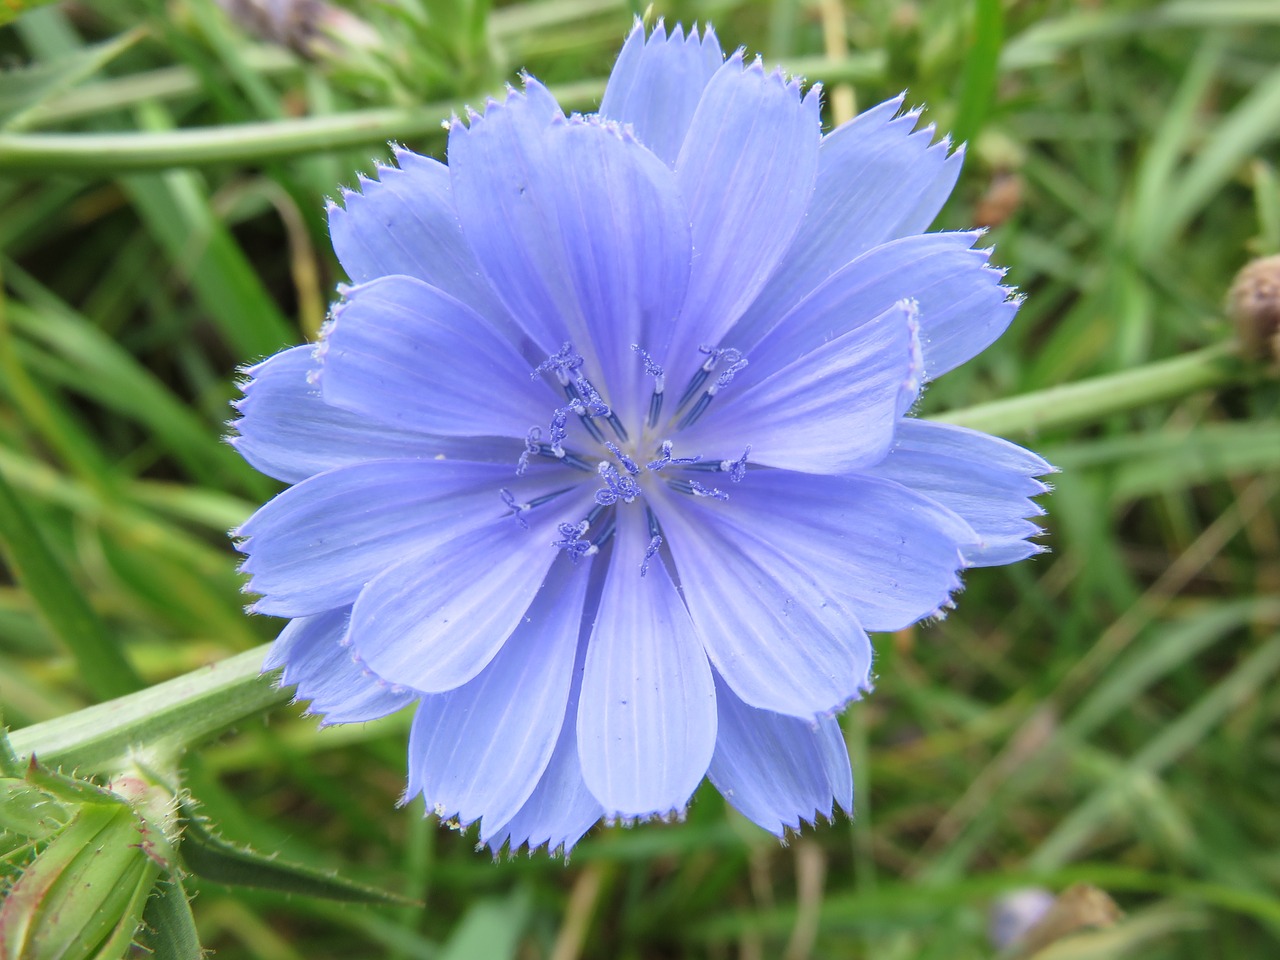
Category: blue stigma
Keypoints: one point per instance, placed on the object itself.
(627, 462)
(617, 487)
(737, 469)
(516, 508)
(650, 552)
(669, 461)
(697, 489)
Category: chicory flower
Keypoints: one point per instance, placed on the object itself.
(605, 457)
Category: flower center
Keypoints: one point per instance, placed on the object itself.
(624, 470)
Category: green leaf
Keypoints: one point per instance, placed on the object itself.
(165, 718)
(490, 930)
(207, 855)
(170, 929)
(21, 91)
(981, 70)
(100, 661)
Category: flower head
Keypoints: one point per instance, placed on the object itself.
(604, 459)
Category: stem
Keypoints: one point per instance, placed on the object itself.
(1091, 400)
(165, 718)
(249, 143)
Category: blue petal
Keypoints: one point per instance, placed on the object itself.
(318, 543)
(832, 410)
(288, 432)
(656, 84)
(746, 169)
(779, 771)
(877, 181)
(986, 480)
(405, 223)
(409, 356)
(773, 629)
(317, 660)
(963, 306)
(436, 620)
(888, 554)
(582, 233)
(479, 750)
(561, 808)
(647, 721)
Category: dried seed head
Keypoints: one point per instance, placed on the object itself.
(1254, 307)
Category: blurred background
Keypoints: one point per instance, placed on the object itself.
(1104, 714)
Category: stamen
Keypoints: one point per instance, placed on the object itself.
(586, 402)
(697, 489)
(531, 448)
(569, 459)
(561, 363)
(623, 459)
(590, 397)
(736, 361)
(696, 411)
(650, 552)
(516, 508)
(559, 431)
(659, 384)
(619, 430)
(669, 461)
(737, 469)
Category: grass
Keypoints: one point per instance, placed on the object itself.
(1106, 713)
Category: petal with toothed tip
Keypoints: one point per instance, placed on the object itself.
(317, 663)
(437, 619)
(878, 179)
(887, 553)
(986, 480)
(832, 410)
(747, 170)
(657, 82)
(405, 222)
(647, 719)
(479, 750)
(319, 542)
(586, 239)
(561, 809)
(963, 306)
(410, 356)
(773, 629)
(287, 431)
(779, 771)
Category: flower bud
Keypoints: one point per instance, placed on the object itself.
(1254, 307)
(82, 893)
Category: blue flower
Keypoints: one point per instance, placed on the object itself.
(604, 459)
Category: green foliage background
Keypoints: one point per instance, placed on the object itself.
(1106, 713)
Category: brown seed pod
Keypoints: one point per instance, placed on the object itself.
(1254, 307)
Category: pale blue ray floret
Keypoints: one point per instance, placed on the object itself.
(598, 595)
